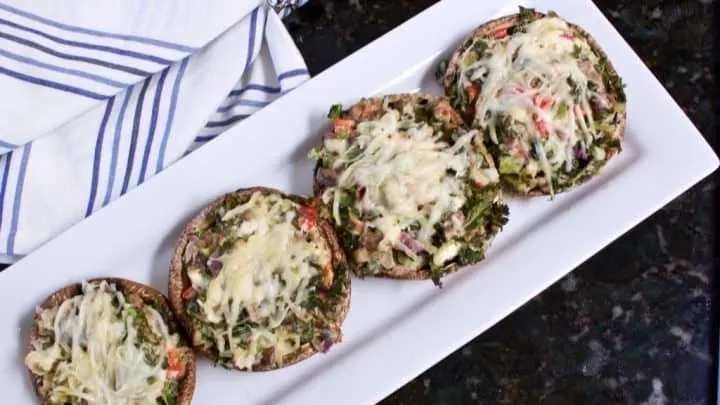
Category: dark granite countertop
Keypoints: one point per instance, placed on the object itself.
(633, 324)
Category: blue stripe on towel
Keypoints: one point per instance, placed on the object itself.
(4, 150)
(53, 85)
(8, 145)
(85, 45)
(98, 156)
(116, 146)
(259, 87)
(153, 124)
(3, 185)
(17, 199)
(251, 41)
(292, 73)
(134, 138)
(96, 33)
(94, 61)
(247, 103)
(171, 115)
(204, 138)
(226, 122)
(72, 72)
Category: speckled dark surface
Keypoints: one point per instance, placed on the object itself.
(632, 325)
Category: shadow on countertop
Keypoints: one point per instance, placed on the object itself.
(633, 324)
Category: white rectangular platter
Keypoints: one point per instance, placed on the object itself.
(394, 330)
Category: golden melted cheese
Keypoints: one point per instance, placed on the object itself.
(404, 168)
(100, 358)
(540, 63)
(267, 276)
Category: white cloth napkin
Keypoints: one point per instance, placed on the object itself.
(97, 96)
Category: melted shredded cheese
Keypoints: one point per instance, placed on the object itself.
(404, 168)
(97, 354)
(264, 277)
(536, 80)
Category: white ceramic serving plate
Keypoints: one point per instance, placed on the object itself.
(394, 330)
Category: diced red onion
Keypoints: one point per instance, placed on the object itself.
(326, 345)
(407, 241)
(214, 265)
(325, 180)
(580, 152)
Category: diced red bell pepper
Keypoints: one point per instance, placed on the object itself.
(500, 34)
(472, 91)
(308, 216)
(174, 363)
(542, 102)
(340, 124)
(187, 293)
(541, 126)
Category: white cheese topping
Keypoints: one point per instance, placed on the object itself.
(539, 80)
(410, 176)
(264, 278)
(100, 358)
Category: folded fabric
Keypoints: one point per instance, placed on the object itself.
(99, 96)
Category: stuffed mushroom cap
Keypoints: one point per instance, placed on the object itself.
(259, 281)
(109, 341)
(551, 106)
(413, 192)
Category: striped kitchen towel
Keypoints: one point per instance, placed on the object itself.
(97, 96)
